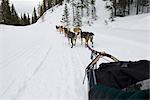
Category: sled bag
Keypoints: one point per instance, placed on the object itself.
(102, 92)
(122, 74)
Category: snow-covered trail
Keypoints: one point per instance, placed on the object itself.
(50, 70)
(60, 77)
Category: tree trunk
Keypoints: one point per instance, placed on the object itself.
(128, 7)
(137, 8)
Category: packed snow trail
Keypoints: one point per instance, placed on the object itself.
(37, 63)
(52, 64)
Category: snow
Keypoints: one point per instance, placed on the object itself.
(37, 63)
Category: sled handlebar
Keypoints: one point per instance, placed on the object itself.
(103, 54)
(94, 61)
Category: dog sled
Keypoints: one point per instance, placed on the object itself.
(117, 80)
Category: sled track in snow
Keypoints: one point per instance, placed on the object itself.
(7, 89)
(23, 53)
(42, 62)
(24, 85)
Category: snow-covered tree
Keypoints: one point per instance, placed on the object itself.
(65, 16)
(93, 13)
(34, 17)
(14, 16)
(87, 7)
(78, 20)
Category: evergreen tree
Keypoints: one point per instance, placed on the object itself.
(34, 19)
(65, 17)
(144, 3)
(87, 8)
(67, 1)
(14, 16)
(28, 19)
(25, 19)
(53, 4)
(6, 13)
(44, 5)
(41, 11)
(137, 7)
(73, 11)
(129, 7)
(21, 20)
(114, 5)
(78, 17)
(123, 4)
(60, 2)
(1, 14)
(82, 6)
(93, 10)
(49, 4)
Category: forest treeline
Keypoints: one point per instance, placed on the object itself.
(9, 16)
(80, 9)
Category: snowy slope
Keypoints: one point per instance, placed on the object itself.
(37, 63)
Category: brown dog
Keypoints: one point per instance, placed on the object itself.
(77, 30)
(61, 29)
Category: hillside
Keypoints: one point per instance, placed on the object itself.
(36, 62)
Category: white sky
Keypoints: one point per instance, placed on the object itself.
(25, 6)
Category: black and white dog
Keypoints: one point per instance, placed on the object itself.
(72, 38)
(87, 36)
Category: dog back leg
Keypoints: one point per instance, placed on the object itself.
(86, 41)
(71, 42)
(91, 39)
(68, 40)
(81, 41)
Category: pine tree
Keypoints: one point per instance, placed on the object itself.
(34, 16)
(21, 20)
(144, 3)
(129, 7)
(60, 2)
(1, 14)
(87, 8)
(6, 13)
(14, 16)
(28, 19)
(93, 10)
(65, 17)
(25, 19)
(73, 11)
(44, 5)
(82, 6)
(53, 4)
(41, 11)
(137, 7)
(67, 1)
(49, 4)
(78, 17)
(114, 5)
(123, 5)
(32, 20)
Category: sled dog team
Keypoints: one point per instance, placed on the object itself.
(77, 32)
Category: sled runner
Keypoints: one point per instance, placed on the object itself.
(117, 80)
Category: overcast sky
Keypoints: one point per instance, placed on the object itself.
(25, 6)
